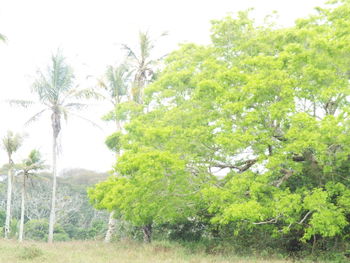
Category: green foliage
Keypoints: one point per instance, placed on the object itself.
(113, 142)
(37, 229)
(2, 217)
(30, 252)
(249, 134)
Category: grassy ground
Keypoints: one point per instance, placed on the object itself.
(98, 252)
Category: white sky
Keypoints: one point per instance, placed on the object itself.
(90, 33)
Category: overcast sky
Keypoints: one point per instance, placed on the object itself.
(90, 33)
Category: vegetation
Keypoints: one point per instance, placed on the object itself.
(75, 218)
(29, 167)
(246, 137)
(11, 143)
(97, 252)
(239, 147)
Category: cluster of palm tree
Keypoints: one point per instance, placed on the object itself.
(60, 98)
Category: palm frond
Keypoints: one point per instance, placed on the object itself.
(11, 142)
(3, 38)
(35, 117)
(20, 103)
(130, 53)
(56, 81)
(76, 93)
(85, 119)
(76, 105)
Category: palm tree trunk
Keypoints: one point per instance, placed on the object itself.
(54, 179)
(111, 227)
(8, 202)
(112, 221)
(21, 225)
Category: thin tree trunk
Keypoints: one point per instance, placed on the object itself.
(147, 233)
(53, 200)
(21, 225)
(111, 227)
(8, 202)
(112, 221)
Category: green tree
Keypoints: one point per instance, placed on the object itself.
(152, 188)
(258, 121)
(115, 84)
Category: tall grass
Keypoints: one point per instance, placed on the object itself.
(98, 252)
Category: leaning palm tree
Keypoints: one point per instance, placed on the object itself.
(143, 64)
(60, 98)
(115, 85)
(29, 166)
(11, 143)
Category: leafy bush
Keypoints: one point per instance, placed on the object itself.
(61, 237)
(37, 229)
(31, 252)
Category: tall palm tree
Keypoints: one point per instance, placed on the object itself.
(29, 166)
(11, 143)
(115, 85)
(142, 63)
(60, 98)
(144, 67)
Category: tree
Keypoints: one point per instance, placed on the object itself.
(56, 92)
(143, 64)
(152, 187)
(11, 143)
(115, 84)
(259, 120)
(32, 164)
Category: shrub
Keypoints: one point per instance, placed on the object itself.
(31, 252)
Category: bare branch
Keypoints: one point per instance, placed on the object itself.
(305, 217)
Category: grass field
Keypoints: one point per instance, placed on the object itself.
(98, 252)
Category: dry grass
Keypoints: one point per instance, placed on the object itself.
(98, 252)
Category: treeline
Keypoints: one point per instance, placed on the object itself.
(76, 219)
(244, 141)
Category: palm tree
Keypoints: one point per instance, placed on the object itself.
(60, 98)
(27, 168)
(144, 72)
(2, 38)
(143, 64)
(115, 85)
(11, 143)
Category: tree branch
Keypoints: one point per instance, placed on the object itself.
(241, 168)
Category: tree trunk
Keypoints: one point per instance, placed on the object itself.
(21, 225)
(112, 220)
(147, 233)
(111, 227)
(53, 199)
(8, 202)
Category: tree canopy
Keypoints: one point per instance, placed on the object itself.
(253, 129)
